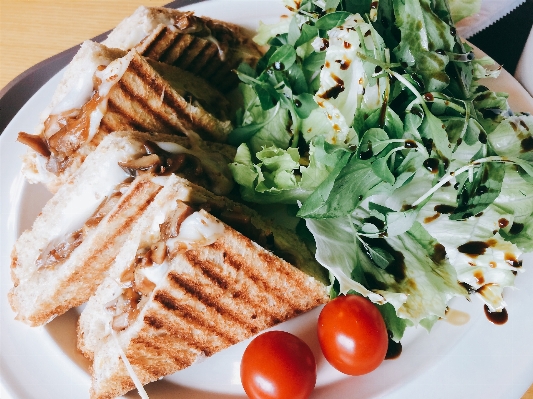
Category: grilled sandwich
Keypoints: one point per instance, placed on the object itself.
(105, 90)
(208, 48)
(185, 286)
(59, 262)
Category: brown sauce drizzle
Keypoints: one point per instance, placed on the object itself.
(526, 144)
(334, 91)
(428, 97)
(394, 350)
(498, 318)
(344, 63)
(478, 274)
(396, 267)
(516, 228)
(445, 209)
(431, 164)
(503, 223)
(476, 248)
(429, 219)
(410, 144)
(467, 287)
(511, 260)
(439, 253)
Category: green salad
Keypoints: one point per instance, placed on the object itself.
(414, 180)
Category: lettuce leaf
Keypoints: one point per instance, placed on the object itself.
(272, 178)
(461, 9)
(415, 278)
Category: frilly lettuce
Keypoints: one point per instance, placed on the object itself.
(272, 179)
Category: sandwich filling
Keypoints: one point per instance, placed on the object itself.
(195, 164)
(182, 230)
(156, 158)
(76, 118)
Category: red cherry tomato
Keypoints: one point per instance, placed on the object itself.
(278, 365)
(352, 334)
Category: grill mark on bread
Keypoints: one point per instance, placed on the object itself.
(180, 334)
(152, 118)
(157, 43)
(154, 322)
(117, 117)
(147, 118)
(210, 67)
(194, 317)
(212, 300)
(145, 350)
(143, 188)
(228, 295)
(191, 53)
(236, 294)
(178, 105)
(178, 47)
(271, 279)
(187, 54)
(186, 60)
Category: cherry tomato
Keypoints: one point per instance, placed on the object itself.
(352, 334)
(278, 365)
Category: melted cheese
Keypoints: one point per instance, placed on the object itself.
(155, 273)
(199, 230)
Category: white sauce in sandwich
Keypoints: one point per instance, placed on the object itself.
(80, 93)
(113, 73)
(197, 230)
(173, 148)
(88, 197)
(155, 273)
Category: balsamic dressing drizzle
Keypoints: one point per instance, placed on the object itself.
(498, 318)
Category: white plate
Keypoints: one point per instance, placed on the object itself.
(475, 360)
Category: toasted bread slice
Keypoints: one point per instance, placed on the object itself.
(87, 220)
(185, 286)
(208, 48)
(131, 92)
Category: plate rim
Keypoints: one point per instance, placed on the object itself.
(47, 65)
